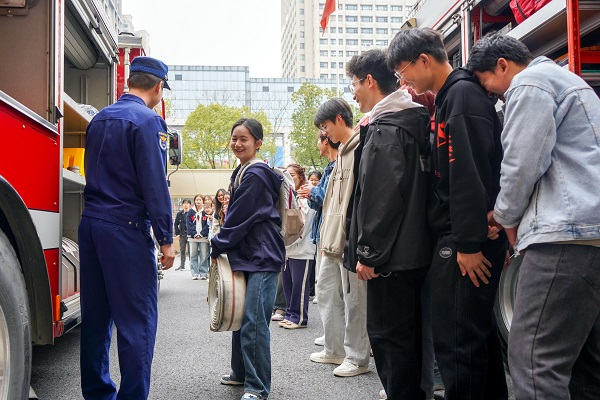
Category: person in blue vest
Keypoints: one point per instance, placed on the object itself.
(125, 195)
(250, 237)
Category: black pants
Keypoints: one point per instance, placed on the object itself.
(183, 242)
(394, 328)
(465, 335)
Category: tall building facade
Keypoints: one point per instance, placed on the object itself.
(355, 26)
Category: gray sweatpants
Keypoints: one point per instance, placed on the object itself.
(343, 307)
(554, 342)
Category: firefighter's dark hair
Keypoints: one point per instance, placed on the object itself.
(408, 44)
(486, 52)
(143, 81)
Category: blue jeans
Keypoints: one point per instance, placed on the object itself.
(251, 345)
(199, 253)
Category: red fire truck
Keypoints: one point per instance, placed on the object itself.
(566, 31)
(56, 55)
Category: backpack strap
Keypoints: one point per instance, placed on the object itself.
(240, 174)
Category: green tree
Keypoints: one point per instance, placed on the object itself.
(206, 135)
(307, 100)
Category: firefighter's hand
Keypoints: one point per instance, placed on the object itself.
(168, 256)
(365, 273)
(475, 265)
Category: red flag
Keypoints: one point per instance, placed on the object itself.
(327, 11)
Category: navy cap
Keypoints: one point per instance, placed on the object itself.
(151, 66)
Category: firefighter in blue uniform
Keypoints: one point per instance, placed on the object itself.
(126, 193)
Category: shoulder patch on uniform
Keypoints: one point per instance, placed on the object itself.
(162, 140)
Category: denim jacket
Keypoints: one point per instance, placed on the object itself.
(550, 179)
(317, 195)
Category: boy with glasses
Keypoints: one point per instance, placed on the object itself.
(466, 265)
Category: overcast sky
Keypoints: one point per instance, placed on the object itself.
(205, 32)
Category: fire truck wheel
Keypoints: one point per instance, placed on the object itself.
(15, 336)
(505, 302)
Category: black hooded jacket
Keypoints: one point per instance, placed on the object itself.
(467, 153)
(389, 221)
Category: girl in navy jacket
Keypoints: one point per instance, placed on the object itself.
(250, 237)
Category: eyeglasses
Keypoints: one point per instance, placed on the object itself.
(352, 84)
(398, 75)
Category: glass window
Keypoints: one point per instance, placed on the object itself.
(351, 30)
(351, 7)
(396, 8)
(352, 42)
(301, 22)
(323, 53)
(301, 34)
(178, 77)
(396, 20)
(302, 11)
(333, 76)
(365, 42)
(301, 57)
(408, 8)
(332, 29)
(333, 64)
(341, 65)
(302, 68)
(323, 65)
(366, 18)
(351, 53)
(366, 7)
(332, 41)
(381, 19)
(395, 30)
(367, 31)
(322, 41)
(323, 76)
(382, 31)
(351, 18)
(290, 89)
(381, 42)
(321, 6)
(381, 7)
(302, 46)
(333, 53)
(265, 88)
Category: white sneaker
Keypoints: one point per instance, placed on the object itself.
(320, 341)
(325, 358)
(349, 369)
(315, 301)
(382, 394)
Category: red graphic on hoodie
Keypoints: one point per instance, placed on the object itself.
(441, 135)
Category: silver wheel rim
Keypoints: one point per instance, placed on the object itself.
(507, 293)
(4, 357)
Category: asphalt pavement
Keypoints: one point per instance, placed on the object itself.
(189, 359)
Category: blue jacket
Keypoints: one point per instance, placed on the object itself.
(252, 242)
(190, 222)
(125, 161)
(550, 176)
(315, 201)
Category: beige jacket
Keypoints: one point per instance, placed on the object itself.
(337, 197)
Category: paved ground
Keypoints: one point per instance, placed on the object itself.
(189, 358)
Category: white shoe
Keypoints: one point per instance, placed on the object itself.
(315, 301)
(382, 394)
(325, 358)
(349, 369)
(320, 341)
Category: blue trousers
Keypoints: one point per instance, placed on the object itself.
(199, 257)
(118, 286)
(251, 345)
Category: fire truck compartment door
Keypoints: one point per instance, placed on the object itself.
(79, 49)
